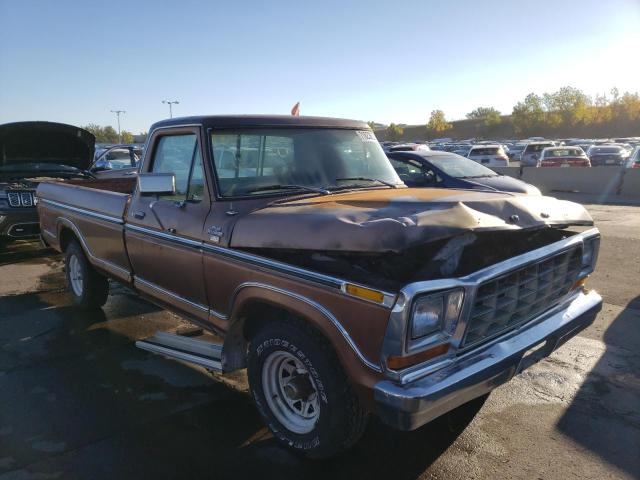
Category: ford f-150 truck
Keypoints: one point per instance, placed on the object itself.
(341, 291)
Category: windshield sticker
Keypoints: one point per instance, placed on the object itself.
(366, 136)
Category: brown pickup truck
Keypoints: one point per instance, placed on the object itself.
(343, 292)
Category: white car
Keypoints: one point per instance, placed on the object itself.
(489, 155)
(408, 147)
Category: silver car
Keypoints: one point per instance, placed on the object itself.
(489, 155)
(531, 153)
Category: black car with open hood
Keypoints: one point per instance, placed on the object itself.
(29, 153)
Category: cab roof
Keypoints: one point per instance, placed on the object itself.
(248, 121)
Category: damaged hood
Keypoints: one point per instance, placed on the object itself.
(44, 143)
(395, 219)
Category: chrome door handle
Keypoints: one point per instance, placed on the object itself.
(139, 215)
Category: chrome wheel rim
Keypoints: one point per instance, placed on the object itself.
(75, 276)
(291, 392)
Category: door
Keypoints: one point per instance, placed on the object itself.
(164, 232)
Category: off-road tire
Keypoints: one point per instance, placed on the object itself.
(94, 288)
(341, 421)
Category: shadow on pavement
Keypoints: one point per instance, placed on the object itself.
(22, 250)
(604, 417)
(80, 401)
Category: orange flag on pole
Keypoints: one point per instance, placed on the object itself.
(295, 111)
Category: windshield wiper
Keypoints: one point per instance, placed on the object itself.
(365, 179)
(265, 188)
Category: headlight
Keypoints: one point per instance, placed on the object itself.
(590, 250)
(427, 316)
(436, 313)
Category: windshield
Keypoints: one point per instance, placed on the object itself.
(247, 161)
(598, 150)
(537, 147)
(486, 151)
(563, 152)
(460, 167)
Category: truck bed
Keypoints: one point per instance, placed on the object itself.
(95, 208)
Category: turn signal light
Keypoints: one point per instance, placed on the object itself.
(398, 363)
(366, 293)
(580, 283)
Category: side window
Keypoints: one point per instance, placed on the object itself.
(177, 154)
(414, 173)
(405, 168)
(196, 182)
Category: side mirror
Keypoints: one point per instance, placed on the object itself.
(157, 183)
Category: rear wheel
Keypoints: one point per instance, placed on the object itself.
(302, 392)
(88, 288)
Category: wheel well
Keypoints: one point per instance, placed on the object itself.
(66, 237)
(252, 317)
(258, 313)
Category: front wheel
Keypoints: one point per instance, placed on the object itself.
(88, 288)
(301, 391)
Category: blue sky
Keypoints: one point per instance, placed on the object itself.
(74, 61)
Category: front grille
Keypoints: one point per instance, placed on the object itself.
(20, 199)
(513, 299)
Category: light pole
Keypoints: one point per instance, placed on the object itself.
(170, 102)
(118, 112)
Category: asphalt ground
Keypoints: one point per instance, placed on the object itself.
(78, 400)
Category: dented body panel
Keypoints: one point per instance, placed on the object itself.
(396, 219)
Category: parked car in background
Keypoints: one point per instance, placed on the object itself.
(448, 170)
(490, 155)
(116, 160)
(563, 157)
(30, 153)
(408, 147)
(634, 159)
(607, 155)
(531, 153)
(515, 151)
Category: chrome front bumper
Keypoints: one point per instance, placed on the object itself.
(411, 405)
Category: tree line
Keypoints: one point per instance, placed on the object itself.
(565, 112)
(108, 134)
